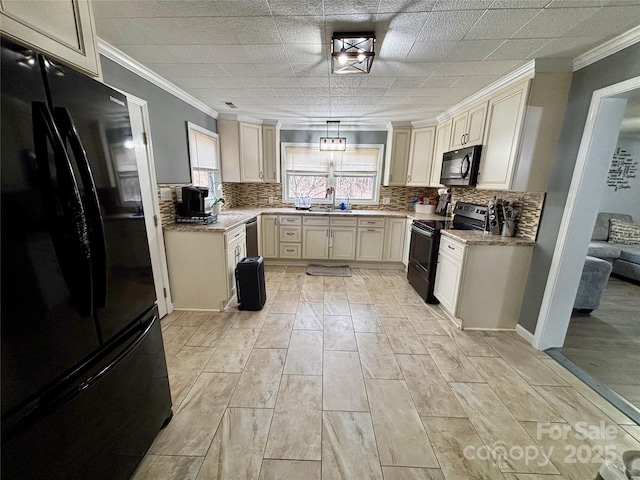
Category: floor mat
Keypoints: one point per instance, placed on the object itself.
(329, 271)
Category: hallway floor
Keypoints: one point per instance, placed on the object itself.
(356, 378)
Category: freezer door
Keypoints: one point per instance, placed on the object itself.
(94, 122)
(46, 279)
(101, 427)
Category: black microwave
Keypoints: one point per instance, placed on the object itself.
(460, 167)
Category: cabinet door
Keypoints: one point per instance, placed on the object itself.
(407, 242)
(394, 239)
(270, 236)
(370, 244)
(63, 29)
(315, 242)
(475, 124)
(271, 153)
(232, 261)
(447, 284)
(458, 131)
(398, 162)
(443, 137)
(504, 124)
(421, 156)
(250, 152)
(342, 243)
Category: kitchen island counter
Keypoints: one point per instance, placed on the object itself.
(474, 237)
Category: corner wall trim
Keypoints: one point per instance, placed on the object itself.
(524, 333)
(124, 60)
(610, 47)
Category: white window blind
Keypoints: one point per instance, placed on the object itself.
(204, 157)
(354, 173)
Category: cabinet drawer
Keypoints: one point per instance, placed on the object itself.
(290, 220)
(371, 222)
(290, 234)
(234, 236)
(315, 220)
(290, 250)
(451, 248)
(344, 222)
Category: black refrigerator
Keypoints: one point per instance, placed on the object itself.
(84, 377)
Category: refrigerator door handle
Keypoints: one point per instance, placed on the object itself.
(97, 236)
(130, 348)
(63, 209)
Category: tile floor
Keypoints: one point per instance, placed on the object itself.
(356, 378)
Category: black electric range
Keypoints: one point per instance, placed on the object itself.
(425, 242)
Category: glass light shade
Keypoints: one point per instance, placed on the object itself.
(333, 144)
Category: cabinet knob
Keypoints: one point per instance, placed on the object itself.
(260, 174)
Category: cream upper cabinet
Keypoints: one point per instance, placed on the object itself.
(504, 124)
(397, 157)
(270, 236)
(468, 127)
(251, 166)
(271, 153)
(62, 29)
(342, 243)
(420, 156)
(394, 239)
(443, 136)
(315, 242)
(241, 151)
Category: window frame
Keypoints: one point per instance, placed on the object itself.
(331, 175)
(216, 170)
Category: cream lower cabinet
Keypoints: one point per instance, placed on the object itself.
(370, 244)
(270, 236)
(407, 242)
(315, 242)
(394, 239)
(196, 261)
(342, 243)
(482, 286)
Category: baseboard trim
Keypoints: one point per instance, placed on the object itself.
(303, 263)
(524, 333)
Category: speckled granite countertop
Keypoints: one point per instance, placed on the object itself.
(471, 237)
(230, 218)
(234, 217)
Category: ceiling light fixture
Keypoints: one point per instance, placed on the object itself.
(333, 144)
(352, 52)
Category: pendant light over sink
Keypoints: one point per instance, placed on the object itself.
(352, 52)
(333, 144)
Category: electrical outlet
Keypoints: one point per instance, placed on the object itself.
(270, 199)
(386, 200)
(165, 193)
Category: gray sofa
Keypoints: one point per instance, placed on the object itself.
(625, 259)
(593, 281)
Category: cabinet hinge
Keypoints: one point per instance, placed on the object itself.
(155, 220)
(164, 292)
(144, 138)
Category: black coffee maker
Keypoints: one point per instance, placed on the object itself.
(193, 201)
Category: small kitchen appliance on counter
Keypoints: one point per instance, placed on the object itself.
(192, 207)
(444, 200)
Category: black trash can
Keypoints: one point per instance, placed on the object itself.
(250, 287)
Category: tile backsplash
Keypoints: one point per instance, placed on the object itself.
(239, 195)
(528, 203)
(257, 194)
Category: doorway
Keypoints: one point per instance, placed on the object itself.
(139, 118)
(588, 185)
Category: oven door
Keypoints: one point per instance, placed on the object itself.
(420, 252)
(422, 267)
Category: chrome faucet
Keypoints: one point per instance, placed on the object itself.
(331, 191)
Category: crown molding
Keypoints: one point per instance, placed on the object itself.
(429, 122)
(518, 74)
(241, 118)
(609, 47)
(343, 128)
(124, 60)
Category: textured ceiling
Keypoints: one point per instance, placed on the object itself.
(271, 57)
